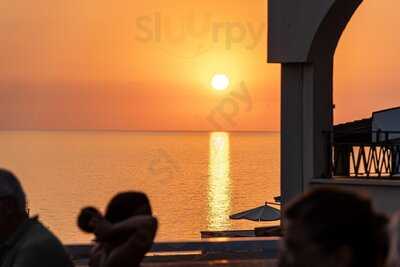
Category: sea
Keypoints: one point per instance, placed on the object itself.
(194, 180)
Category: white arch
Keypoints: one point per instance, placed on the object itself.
(303, 36)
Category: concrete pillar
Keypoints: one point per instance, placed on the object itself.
(306, 118)
(303, 36)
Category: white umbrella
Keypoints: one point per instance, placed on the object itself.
(261, 214)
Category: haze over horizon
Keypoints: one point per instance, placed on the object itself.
(148, 66)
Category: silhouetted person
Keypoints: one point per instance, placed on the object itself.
(394, 232)
(333, 228)
(124, 235)
(24, 241)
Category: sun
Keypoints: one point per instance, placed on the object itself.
(220, 82)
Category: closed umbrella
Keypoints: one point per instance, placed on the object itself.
(261, 214)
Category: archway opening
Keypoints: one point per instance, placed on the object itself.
(367, 61)
(366, 94)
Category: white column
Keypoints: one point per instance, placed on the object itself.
(306, 118)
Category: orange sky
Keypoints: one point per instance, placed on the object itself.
(72, 64)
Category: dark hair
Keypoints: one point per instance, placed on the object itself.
(11, 189)
(84, 218)
(334, 218)
(126, 205)
(382, 238)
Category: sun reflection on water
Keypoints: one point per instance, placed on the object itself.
(219, 182)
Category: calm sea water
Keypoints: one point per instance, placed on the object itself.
(194, 180)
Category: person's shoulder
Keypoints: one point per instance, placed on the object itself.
(41, 245)
(38, 234)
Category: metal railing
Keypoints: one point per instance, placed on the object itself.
(205, 249)
(379, 158)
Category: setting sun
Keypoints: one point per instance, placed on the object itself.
(220, 82)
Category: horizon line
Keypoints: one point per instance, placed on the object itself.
(139, 131)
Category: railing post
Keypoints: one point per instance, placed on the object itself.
(342, 160)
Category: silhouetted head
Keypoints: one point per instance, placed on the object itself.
(394, 231)
(13, 209)
(85, 217)
(333, 228)
(126, 205)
